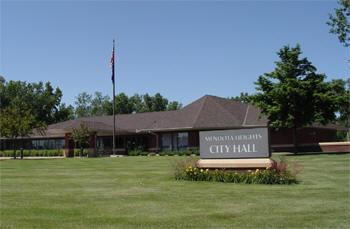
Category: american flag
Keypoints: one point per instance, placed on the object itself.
(112, 63)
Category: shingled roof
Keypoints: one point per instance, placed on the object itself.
(208, 112)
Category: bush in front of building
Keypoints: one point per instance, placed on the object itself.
(33, 153)
(77, 152)
(135, 152)
(170, 153)
(143, 153)
(196, 152)
(277, 174)
(162, 153)
(138, 152)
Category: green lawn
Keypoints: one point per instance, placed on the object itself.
(140, 192)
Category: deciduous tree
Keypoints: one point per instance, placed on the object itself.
(99, 104)
(41, 99)
(244, 97)
(83, 106)
(340, 22)
(174, 105)
(81, 137)
(294, 95)
(342, 89)
(15, 123)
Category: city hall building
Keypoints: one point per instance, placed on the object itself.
(173, 130)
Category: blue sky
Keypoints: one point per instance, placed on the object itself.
(182, 49)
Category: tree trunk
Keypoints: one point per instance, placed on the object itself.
(295, 143)
(81, 151)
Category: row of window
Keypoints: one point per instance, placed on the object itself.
(170, 142)
(130, 143)
(33, 144)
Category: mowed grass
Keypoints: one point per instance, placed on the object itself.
(140, 192)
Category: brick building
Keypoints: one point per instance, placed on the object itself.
(174, 130)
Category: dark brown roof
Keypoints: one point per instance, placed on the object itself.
(216, 112)
(208, 112)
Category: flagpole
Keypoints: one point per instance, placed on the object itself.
(113, 79)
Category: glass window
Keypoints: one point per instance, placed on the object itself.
(119, 142)
(182, 140)
(166, 142)
(99, 142)
(107, 142)
(175, 141)
(60, 143)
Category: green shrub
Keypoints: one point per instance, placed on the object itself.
(341, 135)
(7, 153)
(169, 153)
(77, 152)
(187, 152)
(135, 152)
(33, 153)
(162, 153)
(180, 152)
(100, 151)
(196, 152)
(143, 153)
(152, 154)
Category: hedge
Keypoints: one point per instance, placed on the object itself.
(164, 153)
(33, 153)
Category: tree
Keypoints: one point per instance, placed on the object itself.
(340, 22)
(16, 123)
(41, 99)
(65, 113)
(89, 106)
(81, 137)
(294, 95)
(174, 105)
(83, 105)
(342, 89)
(159, 103)
(123, 104)
(244, 97)
(154, 103)
(147, 102)
(99, 104)
(137, 103)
